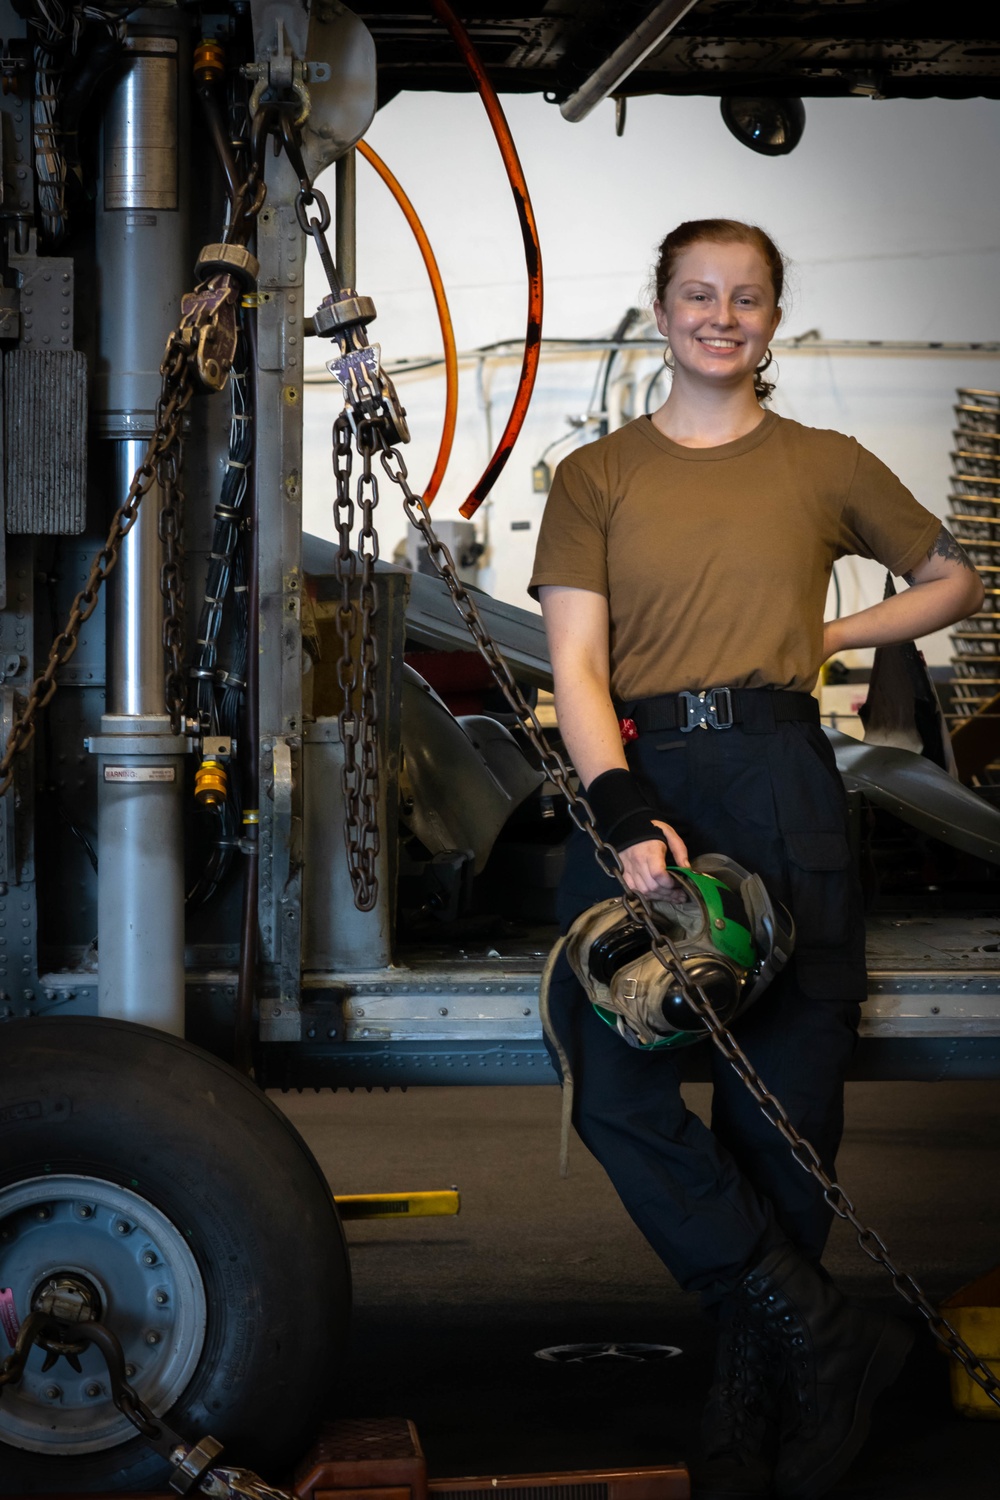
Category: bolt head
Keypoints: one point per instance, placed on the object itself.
(52, 1393)
(44, 1212)
(93, 1391)
(85, 1211)
(122, 1227)
(161, 1299)
(148, 1258)
(130, 1371)
(152, 1337)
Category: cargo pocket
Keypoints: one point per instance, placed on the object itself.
(829, 921)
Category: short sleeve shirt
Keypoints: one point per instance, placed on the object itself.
(716, 561)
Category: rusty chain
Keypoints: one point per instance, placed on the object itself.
(556, 769)
(192, 1464)
(170, 527)
(358, 717)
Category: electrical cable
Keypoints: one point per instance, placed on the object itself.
(617, 338)
(563, 437)
(501, 348)
(215, 694)
(651, 389)
(532, 257)
(444, 318)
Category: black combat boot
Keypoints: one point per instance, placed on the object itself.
(739, 1427)
(837, 1357)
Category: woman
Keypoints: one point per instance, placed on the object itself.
(685, 553)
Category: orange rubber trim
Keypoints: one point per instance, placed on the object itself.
(532, 256)
(444, 318)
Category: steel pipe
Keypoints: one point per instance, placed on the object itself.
(142, 254)
(627, 56)
(346, 212)
(135, 607)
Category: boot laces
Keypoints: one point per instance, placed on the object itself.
(789, 1334)
(743, 1397)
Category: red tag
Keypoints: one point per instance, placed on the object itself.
(628, 731)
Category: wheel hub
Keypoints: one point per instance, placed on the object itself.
(82, 1248)
(70, 1300)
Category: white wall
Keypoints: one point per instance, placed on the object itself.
(887, 209)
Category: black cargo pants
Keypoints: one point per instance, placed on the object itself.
(711, 1202)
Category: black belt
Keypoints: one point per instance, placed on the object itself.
(757, 709)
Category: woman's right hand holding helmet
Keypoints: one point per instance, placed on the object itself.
(645, 864)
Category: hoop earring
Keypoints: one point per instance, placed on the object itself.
(765, 363)
(666, 359)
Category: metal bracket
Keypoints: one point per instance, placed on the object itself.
(335, 59)
(281, 1016)
(139, 744)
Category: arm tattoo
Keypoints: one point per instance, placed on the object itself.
(945, 546)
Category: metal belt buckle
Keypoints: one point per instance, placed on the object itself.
(703, 710)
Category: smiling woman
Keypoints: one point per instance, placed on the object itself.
(683, 561)
(718, 295)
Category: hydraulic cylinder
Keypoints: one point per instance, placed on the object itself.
(143, 260)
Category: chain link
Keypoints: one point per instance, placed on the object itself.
(170, 527)
(192, 1464)
(639, 910)
(356, 669)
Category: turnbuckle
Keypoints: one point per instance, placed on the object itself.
(703, 709)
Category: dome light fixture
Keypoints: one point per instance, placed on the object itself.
(771, 125)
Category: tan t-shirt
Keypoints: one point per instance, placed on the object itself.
(716, 561)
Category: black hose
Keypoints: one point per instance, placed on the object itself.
(220, 139)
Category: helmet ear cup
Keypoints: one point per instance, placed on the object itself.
(721, 983)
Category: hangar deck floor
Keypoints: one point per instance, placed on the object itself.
(449, 1312)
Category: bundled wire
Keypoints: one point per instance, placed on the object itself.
(228, 517)
(217, 694)
(532, 256)
(57, 28)
(50, 24)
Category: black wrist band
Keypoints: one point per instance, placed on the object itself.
(621, 812)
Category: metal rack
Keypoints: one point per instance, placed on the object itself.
(974, 520)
